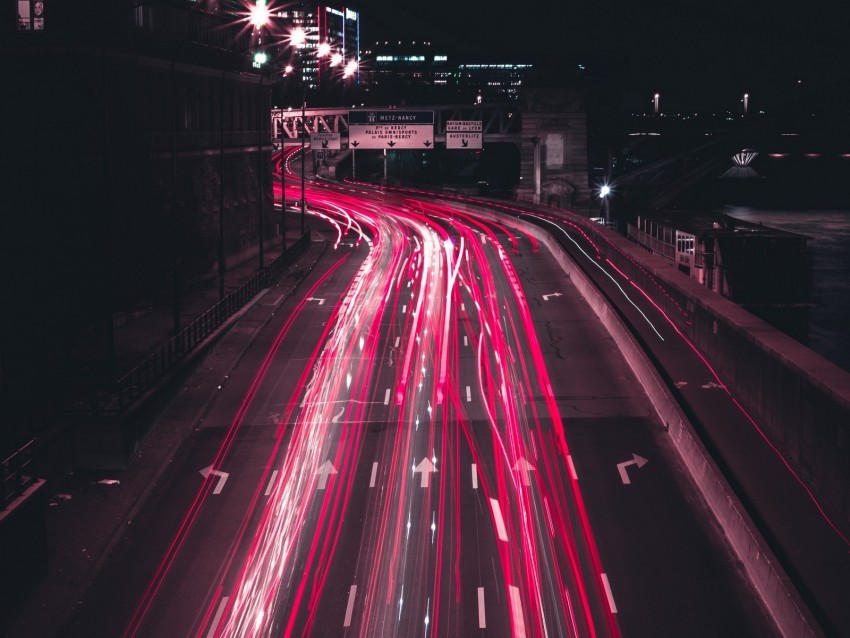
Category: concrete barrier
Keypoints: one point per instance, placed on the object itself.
(781, 599)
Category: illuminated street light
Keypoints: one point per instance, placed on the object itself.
(259, 14)
(336, 59)
(350, 69)
(323, 49)
(604, 191)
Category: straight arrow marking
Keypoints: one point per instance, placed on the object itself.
(324, 470)
(426, 467)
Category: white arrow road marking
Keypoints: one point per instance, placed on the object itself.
(482, 620)
(321, 301)
(349, 609)
(621, 467)
(710, 385)
(553, 294)
(680, 384)
(426, 467)
(324, 470)
(338, 415)
(222, 478)
(523, 467)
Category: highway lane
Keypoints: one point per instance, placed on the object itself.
(403, 462)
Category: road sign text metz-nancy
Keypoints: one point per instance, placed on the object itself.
(391, 129)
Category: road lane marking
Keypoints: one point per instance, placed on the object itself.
(573, 472)
(387, 397)
(270, 486)
(374, 474)
(468, 394)
(350, 607)
(482, 620)
(516, 607)
(611, 604)
(217, 618)
(397, 341)
(500, 522)
(474, 476)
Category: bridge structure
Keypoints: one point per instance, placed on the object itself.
(551, 136)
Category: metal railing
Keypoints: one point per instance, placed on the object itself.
(162, 361)
(17, 473)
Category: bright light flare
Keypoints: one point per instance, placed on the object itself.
(604, 191)
(350, 69)
(323, 49)
(259, 16)
(336, 59)
(298, 37)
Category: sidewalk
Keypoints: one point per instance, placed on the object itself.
(88, 510)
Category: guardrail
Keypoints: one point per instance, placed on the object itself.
(17, 473)
(162, 361)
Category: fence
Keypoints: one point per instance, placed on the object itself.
(162, 361)
(17, 473)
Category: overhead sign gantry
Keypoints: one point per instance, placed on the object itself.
(370, 129)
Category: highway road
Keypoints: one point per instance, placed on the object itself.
(435, 437)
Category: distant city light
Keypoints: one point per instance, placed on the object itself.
(323, 49)
(604, 191)
(298, 37)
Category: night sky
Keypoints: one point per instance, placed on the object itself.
(692, 52)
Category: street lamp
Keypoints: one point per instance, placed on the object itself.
(604, 193)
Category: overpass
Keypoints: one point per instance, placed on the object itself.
(549, 129)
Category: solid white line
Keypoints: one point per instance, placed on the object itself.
(350, 608)
(374, 474)
(270, 486)
(500, 522)
(387, 397)
(572, 467)
(217, 618)
(474, 476)
(482, 620)
(611, 604)
(516, 607)
(468, 394)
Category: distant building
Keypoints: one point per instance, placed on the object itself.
(415, 71)
(493, 80)
(333, 40)
(765, 270)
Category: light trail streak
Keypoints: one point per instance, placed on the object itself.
(408, 565)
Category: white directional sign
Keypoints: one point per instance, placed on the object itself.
(464, 134)
(391, 129)
(321, 140)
